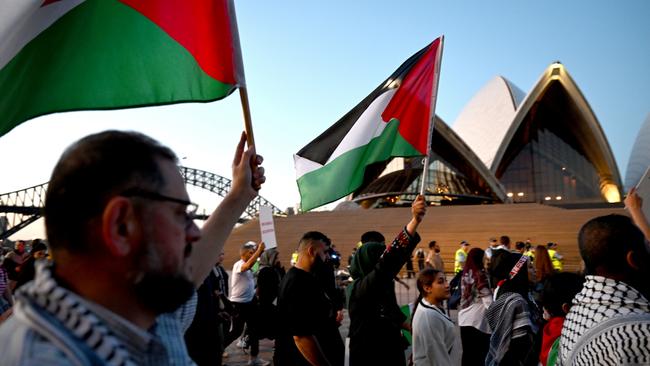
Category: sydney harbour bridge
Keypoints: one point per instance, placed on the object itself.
(20, 208)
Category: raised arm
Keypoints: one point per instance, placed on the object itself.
(634, 204)
(248, 177)
(251, 261)
(398, 252)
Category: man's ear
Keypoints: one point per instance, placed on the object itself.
(566, 307)
(118, 226)
(633, 260)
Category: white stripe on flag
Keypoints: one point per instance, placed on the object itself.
(368, 126)
(22, 20)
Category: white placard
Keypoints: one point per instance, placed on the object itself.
(267, 228)
(643, 190)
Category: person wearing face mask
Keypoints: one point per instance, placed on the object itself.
(309, 333)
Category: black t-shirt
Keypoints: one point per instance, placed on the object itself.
(306, 310)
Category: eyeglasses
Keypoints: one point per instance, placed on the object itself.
(190, 207)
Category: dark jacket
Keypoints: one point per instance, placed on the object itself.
(375, 316)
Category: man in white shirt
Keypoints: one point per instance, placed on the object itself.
(242, 296)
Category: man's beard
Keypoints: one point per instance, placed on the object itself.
(163, 292)
(320, 267)
(159, 291)
(437, 250)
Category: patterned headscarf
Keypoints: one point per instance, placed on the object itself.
(474, 280)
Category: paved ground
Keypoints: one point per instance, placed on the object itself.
(237, 357)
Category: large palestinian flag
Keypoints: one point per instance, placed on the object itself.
(62, 55)
(392, 121)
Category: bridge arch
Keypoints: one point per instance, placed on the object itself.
(20, 208)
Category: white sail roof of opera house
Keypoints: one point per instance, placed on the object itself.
(486, 118)
(639, 157)
(556, 92)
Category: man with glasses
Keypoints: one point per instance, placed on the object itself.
(127, 256)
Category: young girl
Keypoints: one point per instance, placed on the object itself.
(435, 338)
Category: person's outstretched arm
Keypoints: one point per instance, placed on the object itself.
(248, 177)
(634, 204)
(251, 261)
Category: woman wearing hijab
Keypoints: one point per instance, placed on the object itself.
(375, 317)
(476, 298)
(513, 316)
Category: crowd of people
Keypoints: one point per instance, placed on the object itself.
(127, 278)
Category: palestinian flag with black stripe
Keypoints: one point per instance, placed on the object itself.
(393, 121)
(64, 55)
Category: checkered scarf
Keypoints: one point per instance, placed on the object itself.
(601, 299)
(509, 317)
(69, 309)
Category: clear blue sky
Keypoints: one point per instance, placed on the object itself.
(307, 63)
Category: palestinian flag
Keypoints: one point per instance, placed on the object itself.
(392, 121)
(64, 55)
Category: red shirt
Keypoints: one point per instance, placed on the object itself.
(552, 331)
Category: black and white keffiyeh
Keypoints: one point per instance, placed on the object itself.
(70, 310)
(625, 343)
(509, 317)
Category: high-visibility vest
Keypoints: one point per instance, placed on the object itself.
(530, 254)
(459, 260)
(557, 262)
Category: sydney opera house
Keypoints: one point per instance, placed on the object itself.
(507, 146)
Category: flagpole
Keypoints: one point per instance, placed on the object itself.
(432, 116)
(240, 76)
(248, 123)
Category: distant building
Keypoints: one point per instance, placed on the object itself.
(507, 146)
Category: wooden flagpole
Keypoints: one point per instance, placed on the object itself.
(248, 123)
(432, 116)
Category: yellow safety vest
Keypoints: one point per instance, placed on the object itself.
(530, 254)
(557, 263)
(459, 260)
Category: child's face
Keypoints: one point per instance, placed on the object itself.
(439, 289)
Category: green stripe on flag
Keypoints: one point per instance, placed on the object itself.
(101, 55)
(345, 173)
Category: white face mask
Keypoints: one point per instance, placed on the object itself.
(546, 315)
